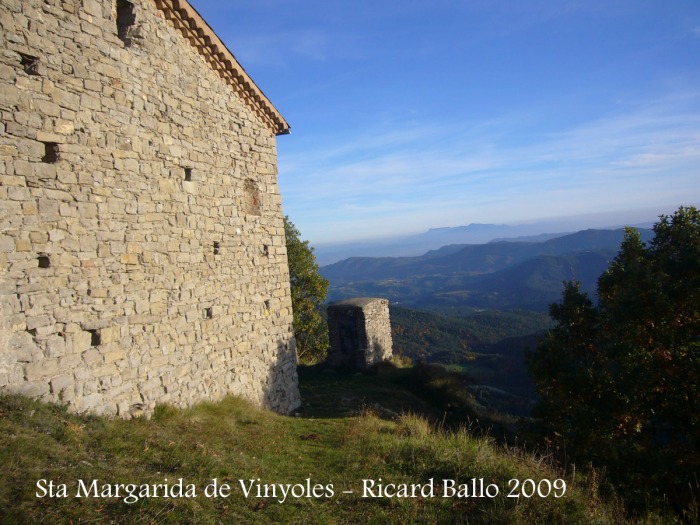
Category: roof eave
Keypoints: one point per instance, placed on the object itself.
(203, 38)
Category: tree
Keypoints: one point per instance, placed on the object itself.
(620, 382)
(309, 291)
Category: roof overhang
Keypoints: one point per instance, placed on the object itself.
(195, 29)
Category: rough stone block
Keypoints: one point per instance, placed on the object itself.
(40, 370)
(64, 127)
(23, 168)
(30, 388)
(23, 245)
(60, 383)
(55, 346)
(78, 342)
(89, 402)
(130, 258)
(92, 357)
(44, 136)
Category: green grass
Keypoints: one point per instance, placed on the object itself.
(232, 440)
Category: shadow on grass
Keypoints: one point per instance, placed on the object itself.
(331, 393)
(386, 391)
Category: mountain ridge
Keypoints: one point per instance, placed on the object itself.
(500, 275)
(475, 233)
(473, 257)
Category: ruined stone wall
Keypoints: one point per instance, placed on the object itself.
(360, 332)
(142, 252)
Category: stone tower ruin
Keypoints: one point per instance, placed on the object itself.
(142, 250)
(360, 333)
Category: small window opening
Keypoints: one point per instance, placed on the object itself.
(188, 174)
(30, 64)
(95, 338)
(209, 313)
(217, 248)
(126, 18)
(266, 250)
(50, 153)
(44, 261)
(267, 305)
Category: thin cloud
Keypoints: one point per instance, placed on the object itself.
(636, 159)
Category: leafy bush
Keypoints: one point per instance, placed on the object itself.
(620, 381)
(309, 290)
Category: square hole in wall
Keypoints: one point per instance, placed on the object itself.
(208, 313)
(188, 174)
(50, 153)
(44, 261)
(95, 338)
(29, 63)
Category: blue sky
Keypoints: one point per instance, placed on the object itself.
(408, 115)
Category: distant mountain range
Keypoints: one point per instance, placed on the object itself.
(414, 245)
(501, 275)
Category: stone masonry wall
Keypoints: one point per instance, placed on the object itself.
(142, 251)
(360, 332)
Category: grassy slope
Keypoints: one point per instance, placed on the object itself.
(232, 440)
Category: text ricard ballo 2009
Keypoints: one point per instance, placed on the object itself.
(281, 492)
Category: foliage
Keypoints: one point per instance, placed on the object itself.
(488, 345)
(309, 290)
(620, 381)
(452, 336)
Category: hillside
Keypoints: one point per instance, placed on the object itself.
(241, 446)
(536, 283)
(488, 346)
(425, 335)
(532, 284)
(475, 259)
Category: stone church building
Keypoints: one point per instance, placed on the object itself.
(142, 250)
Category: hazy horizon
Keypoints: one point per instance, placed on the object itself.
(617, 218)
(418, 243)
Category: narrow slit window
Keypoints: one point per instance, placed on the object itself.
(44, 261)
(217, 248)
(266, 250)
(50, 153)
(30, 64)
(208, 313)
(126, 18)
(188, 174)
